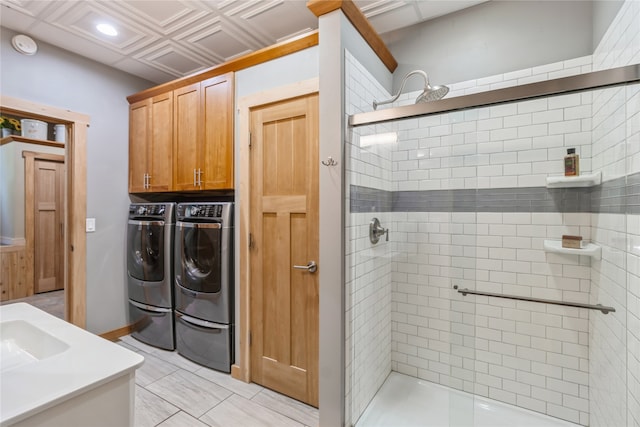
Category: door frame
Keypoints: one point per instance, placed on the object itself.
(75, 197)
(241, 369)
(30, 158)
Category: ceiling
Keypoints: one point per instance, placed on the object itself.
(161, 40)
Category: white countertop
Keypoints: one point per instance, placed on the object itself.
(88, 362)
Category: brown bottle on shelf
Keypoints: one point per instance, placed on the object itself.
(571, 163)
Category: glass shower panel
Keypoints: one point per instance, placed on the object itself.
(418, 178)
(369, 266)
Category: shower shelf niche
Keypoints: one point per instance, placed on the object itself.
(589, 249)
(587, 180)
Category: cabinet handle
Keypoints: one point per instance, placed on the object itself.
(148, 181)
(194, 178)
(200, 178)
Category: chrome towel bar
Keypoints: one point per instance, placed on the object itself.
(600, 307)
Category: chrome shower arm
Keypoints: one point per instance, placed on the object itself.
(397, 95)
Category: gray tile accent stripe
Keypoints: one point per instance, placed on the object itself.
(365, 199)
(620, 195)
(609, 197)
(633, 194)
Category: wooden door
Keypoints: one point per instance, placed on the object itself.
(139, 139)
(160, 148)
(186, 135)
(217, 120)
(284, 227)
(48, 224)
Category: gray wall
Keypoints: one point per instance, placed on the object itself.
(492, 38)
(61, 79)
(603, 14)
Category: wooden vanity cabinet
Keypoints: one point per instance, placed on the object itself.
(203, 135)
(150, 144)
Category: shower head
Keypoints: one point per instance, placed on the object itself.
(428, 94)
(432, 93)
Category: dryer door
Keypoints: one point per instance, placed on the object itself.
(145, 243)
(198, 256)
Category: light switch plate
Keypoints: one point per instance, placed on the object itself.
(91, 225)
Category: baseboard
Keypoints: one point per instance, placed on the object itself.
(238, 373)
(117, 333)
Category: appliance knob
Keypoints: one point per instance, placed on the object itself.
(141, 210)
(194, 211)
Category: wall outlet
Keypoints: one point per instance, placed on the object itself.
(91, 225)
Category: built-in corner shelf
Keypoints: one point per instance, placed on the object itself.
(18, 138)
(589, 249)
(587, 180)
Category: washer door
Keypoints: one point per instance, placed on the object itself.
(198, 256)
(145, 243)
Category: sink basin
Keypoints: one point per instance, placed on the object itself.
(22, 343)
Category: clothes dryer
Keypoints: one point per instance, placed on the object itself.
(204, 284)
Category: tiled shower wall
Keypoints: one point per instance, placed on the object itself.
(615, 338)
(470, 209)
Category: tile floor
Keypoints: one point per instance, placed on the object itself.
(172, 391)
(51, 302)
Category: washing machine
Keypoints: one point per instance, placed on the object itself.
(150, 234)
(203, 267)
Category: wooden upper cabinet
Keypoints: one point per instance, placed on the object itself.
(183, 140)
(187, 136)
(150, 144)
(217, 150)
(203, 135)
(138, 141)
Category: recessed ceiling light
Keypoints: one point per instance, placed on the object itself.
(107, 29)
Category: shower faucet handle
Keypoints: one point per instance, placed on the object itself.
(376, 230)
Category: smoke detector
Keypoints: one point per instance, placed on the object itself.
(24, 44)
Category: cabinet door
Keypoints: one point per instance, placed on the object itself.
(159, 151)
(186, 134)
(139, 138)
(217, 145)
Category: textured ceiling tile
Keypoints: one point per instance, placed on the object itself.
(137, 68)
(164, 16)
(272, 21)
(371, 9)
(174, 59)
(82, 18)
(219, 41)
(29, 8)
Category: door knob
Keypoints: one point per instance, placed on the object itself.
(311, 267)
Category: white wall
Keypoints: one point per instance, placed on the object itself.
(615, 339)
(61, 79)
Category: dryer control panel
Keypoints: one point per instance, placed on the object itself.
(151, 210)
(204, 211)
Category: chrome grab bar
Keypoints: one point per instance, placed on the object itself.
(600, 307)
